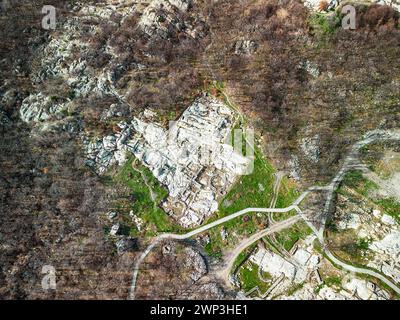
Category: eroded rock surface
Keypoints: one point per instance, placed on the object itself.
(192, 158)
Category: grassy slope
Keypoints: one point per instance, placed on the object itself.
(245, 193)
(359, 189)
(248, 277)
(155, 219)
(287, 238)
(364, 187)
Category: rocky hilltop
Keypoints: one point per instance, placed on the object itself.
(71, 97)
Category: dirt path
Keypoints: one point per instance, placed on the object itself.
(230, 259)
(351, 161)
(152, 195)
(277, 184)
(201, 229)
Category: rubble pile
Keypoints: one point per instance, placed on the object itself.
(354, 289)
(245, 47)
(195, 262)
(387, 254)
(38, 107)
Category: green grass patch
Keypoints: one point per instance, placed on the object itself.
(287, 238)
(213, 249)
(154, 218)
(294, 288)
(254, 190)
(331, 225)
(333, 281)
(271, 245)
(241, 258)
(322, 24)
(347, 246)
(354, 179)
(288, 193)
(391, 207)
(249, 278)
(363, 244)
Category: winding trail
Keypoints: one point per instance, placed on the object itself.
(277, 184)
(344, 265)
(165, 236)
(231, 258)
(146, 182)
(351, 161)
(361, 270)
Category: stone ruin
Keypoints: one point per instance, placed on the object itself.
(194, 159)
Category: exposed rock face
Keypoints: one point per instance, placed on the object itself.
(381, 231)
(310, 147)
(388, 254)
(191, 159)
(114, 111)
(38, 107)
(332, 4)
(365, 290)
(310, 143)
(59, 61)
(31, 192)
(355, 289)
(160, 17)
(311, 68)
(245, 47)
(110, 150)
(294, 168)
(115, 229)
(136, 220)
(111, 215)
(393, 3)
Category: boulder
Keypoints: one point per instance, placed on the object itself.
(126, 245)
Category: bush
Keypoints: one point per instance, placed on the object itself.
(377, 16)
(324, 24)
